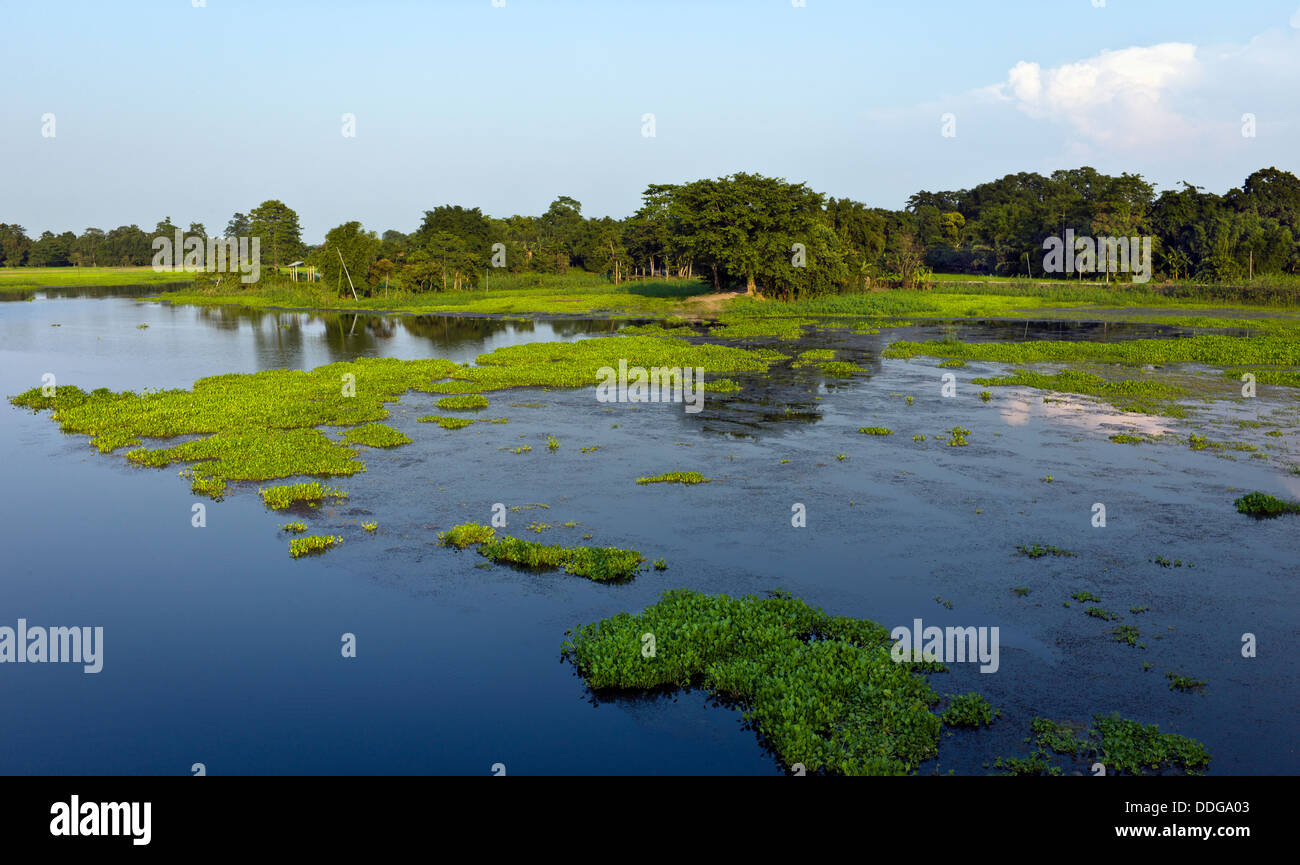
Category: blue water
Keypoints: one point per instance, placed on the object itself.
(220, 649)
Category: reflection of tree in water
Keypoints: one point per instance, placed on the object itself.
(449, 330)
(74, 291)
(228, 317)
(786, 395)
(278, 333)
(576, 327)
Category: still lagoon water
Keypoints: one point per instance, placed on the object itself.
(222, 650)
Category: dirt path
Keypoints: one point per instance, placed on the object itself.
(707, 305)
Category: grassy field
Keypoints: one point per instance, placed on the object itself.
(1188, 304)
(576, 294)
(17, 279)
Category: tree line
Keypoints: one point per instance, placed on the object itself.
(763, 234)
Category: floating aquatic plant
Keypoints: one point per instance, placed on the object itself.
(447, 422)
(464, 402)
(676, 478)
(1123, 746)
(281, 497)
(466, 535)
(1126, 634)
(823, 691)
(376, 435)
(1179, 682)
(1037, 551)
(1265, 506)
(969, 710)
(312, 544)
(601, 564)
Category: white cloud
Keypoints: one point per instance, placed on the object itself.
(1295, 19)
(1117, 97)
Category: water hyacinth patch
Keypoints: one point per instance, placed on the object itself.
(823, 691)
(472, 401)
(447, 422)
(824, 359)
(1143, 397)
(1123, 746)
(577, 364)
(1037, 551)
(312, 544)
(969, 710)
(1264, 506)
(1178, 682)
(675, 478)
(1206, 348)
(258, 426)
(376, 435)
(601, 564)
(466, 535)
(876, 431)
(281, 497)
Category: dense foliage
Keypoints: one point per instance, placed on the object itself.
(764, 235)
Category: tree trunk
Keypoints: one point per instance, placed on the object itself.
(717, 286)
(749, 285)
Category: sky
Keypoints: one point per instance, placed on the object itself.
(168, 108)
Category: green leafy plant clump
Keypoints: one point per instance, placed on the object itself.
(312, 544)
(447, 422)
(1123, 746)
(1264, 506)
(466, 535)
(281, 497)
(578, 364)
(601, 564)
(876, 431)
(822, 691)
(258, 426)
(675, 478)
(473, 401)
(1210, 349)
(1144, 397)
(969, 710)
(1179, 682)
(1126, 634)
(376, 435)
(1037, 551)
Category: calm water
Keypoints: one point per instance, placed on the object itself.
(220, 649)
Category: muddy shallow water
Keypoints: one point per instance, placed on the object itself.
(220, 649)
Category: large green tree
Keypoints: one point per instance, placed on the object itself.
(277, 225)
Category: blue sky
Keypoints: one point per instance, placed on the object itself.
(165, 109)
